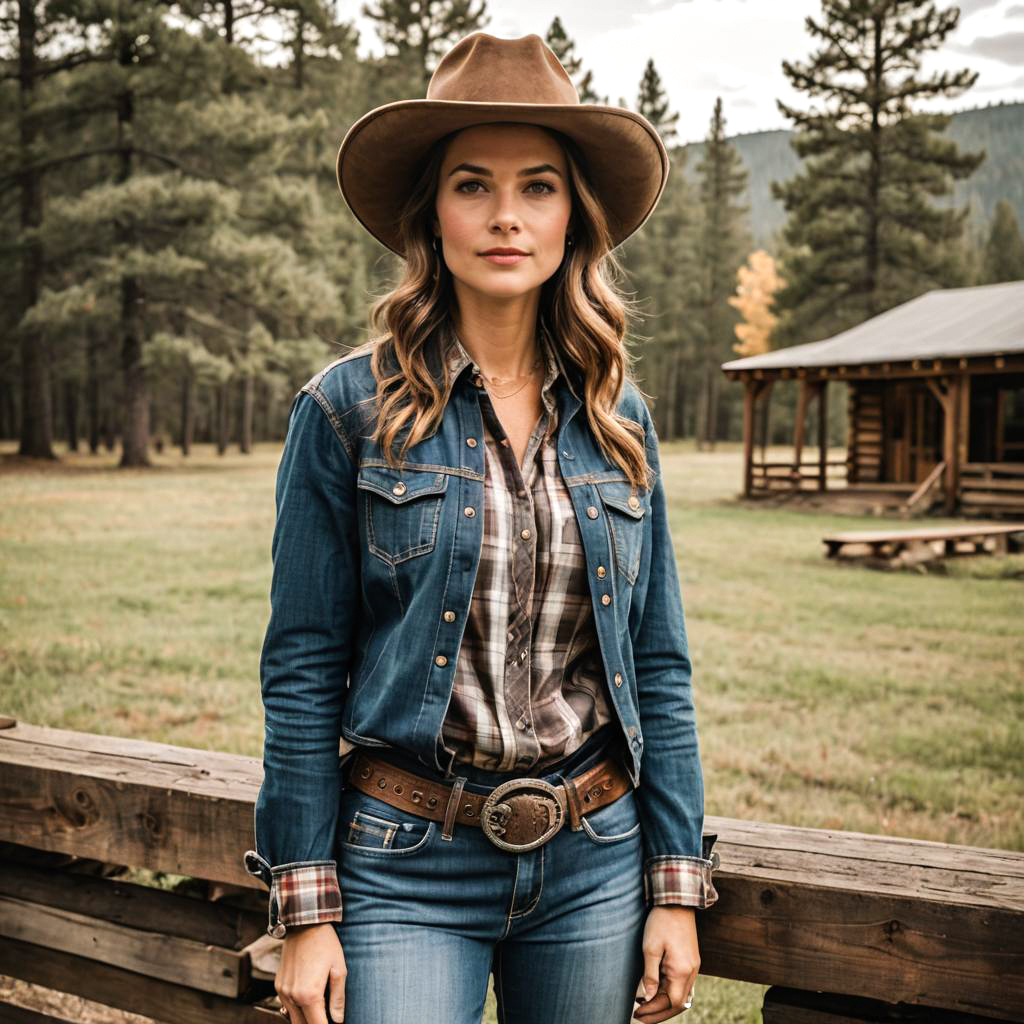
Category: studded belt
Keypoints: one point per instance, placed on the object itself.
(517, 815)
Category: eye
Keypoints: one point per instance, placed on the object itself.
(469, 181)
(547, 186)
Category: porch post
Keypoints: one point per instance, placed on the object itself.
(822, 434)
(749, 398)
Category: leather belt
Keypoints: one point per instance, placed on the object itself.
(518, 815)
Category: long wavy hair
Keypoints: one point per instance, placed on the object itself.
(581, 308)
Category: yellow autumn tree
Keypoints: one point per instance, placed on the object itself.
(758, 281)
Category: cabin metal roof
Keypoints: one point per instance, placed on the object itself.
(981, 321)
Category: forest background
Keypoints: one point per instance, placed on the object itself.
(177, 259)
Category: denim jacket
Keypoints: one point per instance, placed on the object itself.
(373, 574)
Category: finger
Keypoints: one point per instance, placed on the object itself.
(314, 1011)
(677, 990)
(294, 1013)
(651, 978)
(337, 990)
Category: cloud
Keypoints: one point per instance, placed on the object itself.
(969, 7)
(1016, 83)
(1016, 11)
(1007, 48)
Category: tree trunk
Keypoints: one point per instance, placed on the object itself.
(245, 421)
(188, 414)
(135, 424)
(222, 417)
(71, 413)
(36, 438)
(92, 389)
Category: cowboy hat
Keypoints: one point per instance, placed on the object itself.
(483, 79)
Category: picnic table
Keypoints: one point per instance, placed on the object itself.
(925, 543)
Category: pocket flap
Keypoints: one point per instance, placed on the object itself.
(400, 486)
(619, 496)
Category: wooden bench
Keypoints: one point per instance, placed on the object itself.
(845, 926)
(896, 547)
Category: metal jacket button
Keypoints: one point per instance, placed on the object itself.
(440, 660)
(449, 616)
(606, 599)
(399, 488)
(591, 512)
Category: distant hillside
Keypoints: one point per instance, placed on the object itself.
(999, 130)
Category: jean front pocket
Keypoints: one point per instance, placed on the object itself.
(615, 822)
(376, 829)
(401, 510)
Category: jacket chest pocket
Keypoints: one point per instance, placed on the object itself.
(401, 510)
(627, 514)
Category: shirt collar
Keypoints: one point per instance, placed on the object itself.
(457, 359)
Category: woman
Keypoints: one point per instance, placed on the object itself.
(473, 533)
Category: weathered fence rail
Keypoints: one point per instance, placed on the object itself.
(845, 926)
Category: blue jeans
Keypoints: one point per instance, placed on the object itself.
(426, 920)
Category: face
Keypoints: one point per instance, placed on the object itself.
(503, 186)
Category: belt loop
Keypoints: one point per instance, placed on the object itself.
(572, 799)
(453, 807)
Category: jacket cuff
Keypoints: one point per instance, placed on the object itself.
(303, 892)
(684, 881)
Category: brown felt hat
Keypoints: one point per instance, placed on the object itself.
(483, 79)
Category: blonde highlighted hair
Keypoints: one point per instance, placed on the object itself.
(581, 308)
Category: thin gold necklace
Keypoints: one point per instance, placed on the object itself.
(492, 381)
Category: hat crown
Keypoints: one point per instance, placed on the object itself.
(482, 68)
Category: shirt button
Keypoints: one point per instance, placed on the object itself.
(601, 572)
(591, 512)
(399, 488)
(525, 534)
(606, 599)
(469, 511)
(449, 616)
(522, 655)
(511, 635)
(618, 678)
(440, 660)
(471, 441)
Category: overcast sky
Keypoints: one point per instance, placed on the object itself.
(735, 48)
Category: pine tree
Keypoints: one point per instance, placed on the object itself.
(724, 241)
(861, 233)
(30, 29)
(416, 33)
(653, 103)
(564, 49)
(1004, 249)
(186, 241)
(661, 264)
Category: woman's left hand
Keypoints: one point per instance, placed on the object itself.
(671, 962)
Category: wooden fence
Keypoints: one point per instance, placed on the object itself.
(844, 926)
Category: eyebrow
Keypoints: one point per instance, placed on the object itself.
(524, 173)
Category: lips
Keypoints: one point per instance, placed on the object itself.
(504, 256)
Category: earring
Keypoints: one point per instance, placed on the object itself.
(568, 241)
(434, 244)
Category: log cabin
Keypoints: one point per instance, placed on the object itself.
(935, 405)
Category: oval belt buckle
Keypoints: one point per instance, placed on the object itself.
(502, 813)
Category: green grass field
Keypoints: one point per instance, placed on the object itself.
(133, 603)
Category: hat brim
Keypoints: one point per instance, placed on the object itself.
(382, 154)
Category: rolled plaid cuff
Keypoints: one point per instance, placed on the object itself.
(685, 881)
(305, 892)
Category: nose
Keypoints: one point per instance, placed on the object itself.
(504, 217)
